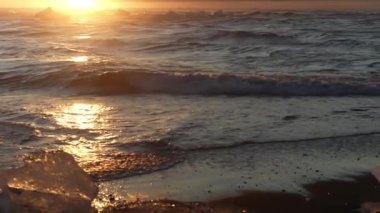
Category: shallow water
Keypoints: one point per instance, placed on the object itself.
(263, 95)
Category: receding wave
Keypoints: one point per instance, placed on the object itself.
(303, 140)
(148, 157)
(133, 82)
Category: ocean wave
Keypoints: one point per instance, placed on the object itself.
(285, 141)
(110, 42)
(374, 65)
(140, 158)
(242, 34)
(341, 43)
(178, 15)
(179, 45)
(39, 33)
(10, 32)
(157, 47)
(135, 82)
(144, 82)
(18, 132)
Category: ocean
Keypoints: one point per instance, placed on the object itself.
(194, 105)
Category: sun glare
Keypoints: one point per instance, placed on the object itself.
(80, 115)
(82, 4)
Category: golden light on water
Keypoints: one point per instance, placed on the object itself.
(82, 37)
(84, 116)
(83, 151)
(79, 59)
(80, 116)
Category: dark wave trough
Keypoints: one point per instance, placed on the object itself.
(130, 82)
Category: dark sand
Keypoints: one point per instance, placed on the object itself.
(356, 194)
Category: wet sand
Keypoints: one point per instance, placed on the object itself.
(53, 182)
(356, 194)
(325, 196)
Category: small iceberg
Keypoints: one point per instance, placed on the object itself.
(50, 14)
(48, 182)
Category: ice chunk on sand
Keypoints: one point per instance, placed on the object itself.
(48, 182)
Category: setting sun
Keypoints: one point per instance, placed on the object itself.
(82, 4)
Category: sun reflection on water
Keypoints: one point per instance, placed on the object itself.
(83, 152)
(82, 20)
(85, 146)
(80, 115)
(82, 37)
(79, 59)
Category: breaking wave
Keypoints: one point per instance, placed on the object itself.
(144, 82)
(133, 82)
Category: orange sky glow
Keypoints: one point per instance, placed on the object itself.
(263, 4)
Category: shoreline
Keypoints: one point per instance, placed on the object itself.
(42, 185)
(359, 194)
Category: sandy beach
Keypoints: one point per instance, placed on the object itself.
(359, 193)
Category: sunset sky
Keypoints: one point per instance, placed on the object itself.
(259, 4)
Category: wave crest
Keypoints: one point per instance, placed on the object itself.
(132, 82)
(180, 83)
(242, 34)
